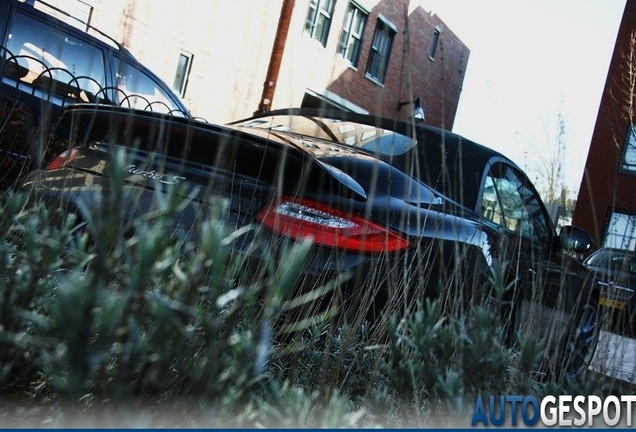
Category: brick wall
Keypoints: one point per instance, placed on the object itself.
(232, 41)
(604, 187)
(308, 65)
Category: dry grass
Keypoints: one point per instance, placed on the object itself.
(133, 328)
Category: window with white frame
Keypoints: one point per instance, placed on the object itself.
(380, 50)
(318, 20)
(182, 73)
(629, 155)
(621, 231)
(352, 31)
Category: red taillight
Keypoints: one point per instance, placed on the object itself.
(61, 160)
(301, 218)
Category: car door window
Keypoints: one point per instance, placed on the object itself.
(40, 55)
(509, 201)
(139, 90)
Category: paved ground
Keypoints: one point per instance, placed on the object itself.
(616, 357)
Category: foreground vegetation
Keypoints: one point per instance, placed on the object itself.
(101, 327)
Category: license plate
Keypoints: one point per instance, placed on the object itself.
(616, 304)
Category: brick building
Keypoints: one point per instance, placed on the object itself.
(606, 204)
(230, 59)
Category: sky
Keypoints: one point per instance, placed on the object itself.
(530, 62)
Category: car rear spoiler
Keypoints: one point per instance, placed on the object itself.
(279, 161)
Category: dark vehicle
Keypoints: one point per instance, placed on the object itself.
(406, 211)
(48, 59)
(47, 63)
(615, 272)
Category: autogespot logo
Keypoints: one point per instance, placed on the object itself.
(562, 410)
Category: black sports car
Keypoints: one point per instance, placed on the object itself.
(405, 211)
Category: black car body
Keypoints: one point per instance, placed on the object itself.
(47, 63)
(615, 273)
(406, 211)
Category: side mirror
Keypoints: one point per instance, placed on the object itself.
(575, 239)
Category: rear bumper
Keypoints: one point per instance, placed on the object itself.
(340, 275)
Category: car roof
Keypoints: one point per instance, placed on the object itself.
(454, 165)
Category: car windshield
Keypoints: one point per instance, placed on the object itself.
(370, 138)
(623, 261)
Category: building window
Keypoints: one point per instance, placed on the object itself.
(319, 20)
(621, 231)
(629, 157)
(380, 50)
(351, 39)
(182, 73)
(433, 49)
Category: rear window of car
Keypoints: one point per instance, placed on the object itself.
(43, 56)
(367, 137)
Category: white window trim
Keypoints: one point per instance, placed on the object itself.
(392, 27)
(630, 146)
(620, 232)
(186, 73)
